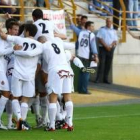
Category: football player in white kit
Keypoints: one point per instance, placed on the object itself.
(5, 49)
(45, 27)
(26, 57)
(59, 80)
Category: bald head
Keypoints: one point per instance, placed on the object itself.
(109, 22)
(42, 39)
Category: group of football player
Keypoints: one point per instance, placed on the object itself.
(35, 72)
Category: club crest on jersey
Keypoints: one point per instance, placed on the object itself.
(2, 83)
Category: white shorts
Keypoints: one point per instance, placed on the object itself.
(72, 81)
(22, 88)
(4, 84)
(59, 82)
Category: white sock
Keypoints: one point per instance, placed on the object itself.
(36, 107)
(24, 110)
(69, 111)
(43, 104)
(9, 111)
(16, 108)
(52, 114)
(64, 113)
(78, 62)
(58, 114)
(47, 116)
(31, 101)
(3, 101)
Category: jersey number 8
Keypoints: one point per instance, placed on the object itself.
(56, 49)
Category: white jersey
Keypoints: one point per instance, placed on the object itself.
(5, 49)
(54, 55)
(26, 59)
(10, 65)
(83, 43)
(45, 28)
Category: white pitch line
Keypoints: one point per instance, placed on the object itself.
(97, 117)
(113, 116)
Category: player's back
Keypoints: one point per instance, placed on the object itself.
(54, 55)
(26, 59)
(45, 28)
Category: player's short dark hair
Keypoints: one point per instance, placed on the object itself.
(79, 15)
(31, 28)
(88, 23)
(84, 17)
(21, 29)
(38, 14)
(8, 21)
(11, 24)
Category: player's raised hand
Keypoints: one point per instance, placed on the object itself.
(7, 16)
(69, 18)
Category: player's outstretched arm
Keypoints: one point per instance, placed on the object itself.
(30, 53)
(62, 36)
(6, 51)
(69, 46)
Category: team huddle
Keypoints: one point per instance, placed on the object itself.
(35, 71)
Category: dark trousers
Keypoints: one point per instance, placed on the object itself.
(116, 5)
(105, 62)
(83, 78)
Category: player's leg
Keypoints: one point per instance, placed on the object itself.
(43, 77)
(28, 92)
(60, 119)
(9, 111)
(35, 103)
(16, 91)
(36, 108)
(59, 116)
(53, 87)
(68, 103)
(4, 87)
(44, 107)
(52, 110)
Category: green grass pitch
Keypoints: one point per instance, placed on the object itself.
(120, 122)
